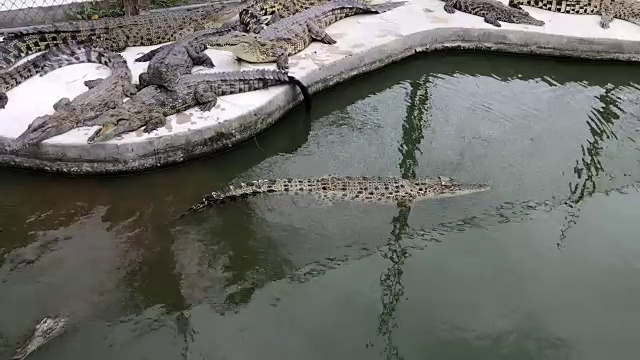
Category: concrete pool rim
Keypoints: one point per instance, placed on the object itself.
(174, 149)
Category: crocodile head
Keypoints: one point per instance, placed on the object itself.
(42, 128)
(244, 46)
(520, 16)
(445, 187)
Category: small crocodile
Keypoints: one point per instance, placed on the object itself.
(46, 62)
(103, 94)
(115, 34)
(151, 105)
(628, 10)
(492, 11)
(293, 34)
(171, 61)
(403, 192)
(47, 329)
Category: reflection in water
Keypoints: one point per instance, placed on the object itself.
(600, 122)
(396, 252)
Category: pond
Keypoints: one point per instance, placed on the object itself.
(544, 265)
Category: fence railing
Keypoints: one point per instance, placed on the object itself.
(19, 13)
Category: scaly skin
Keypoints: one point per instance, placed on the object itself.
(358, 188)
(115, 34)
(103, 94)
(492, 11)
(628, 10)
(149, 108)
(171, 61)
(47, 329)
(46, 62)
(293, 34)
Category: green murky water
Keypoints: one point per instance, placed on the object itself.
(546, 265)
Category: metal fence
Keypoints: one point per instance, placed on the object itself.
(18, 13)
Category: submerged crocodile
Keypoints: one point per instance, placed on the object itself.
(47, 329)
(293, 34)
(115, 34)
(628, 10)
(48, 61)
(403, 192)
(149, 108)
(493, 11)
(103, 94)
(171, 61)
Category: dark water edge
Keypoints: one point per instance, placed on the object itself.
(553, 137)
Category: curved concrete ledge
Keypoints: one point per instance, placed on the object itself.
(365, 43)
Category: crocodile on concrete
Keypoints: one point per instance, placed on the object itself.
(48, 61)
(47, 329)
(171, 61)
(103, 94)
(403, 192)
(493, 11)
(293, 34)
(149, 108)
(115, 34)
(628, 10)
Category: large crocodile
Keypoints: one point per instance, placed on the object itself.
(48, 61)
(103, 94)
(149, 108)
(493, 11)
(293, 34)
(171, 61)
(403, 192)
(115, 34)
(628, 10)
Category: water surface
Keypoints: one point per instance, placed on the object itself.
(543, 266)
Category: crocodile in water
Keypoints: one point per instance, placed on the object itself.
(403, 192)
(115, 34)
(47, 329)
(46, 62)
(103, 94)
(171, 61)
(493, 11)
(628, 10)
(151, 105)
(293, 34)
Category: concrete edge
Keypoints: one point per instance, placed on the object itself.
(165, 151)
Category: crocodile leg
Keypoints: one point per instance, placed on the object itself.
(93, 83)
(143, 80)
(282, 59)
(607, 15)
(206, 96)
(156, 121)
(491, 19)
(319, 34)
(448, 6)
(199, 58)
(60, 104)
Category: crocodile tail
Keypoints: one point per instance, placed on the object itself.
(56, 58)
(381, 8)
(14, 49)
(303, 89)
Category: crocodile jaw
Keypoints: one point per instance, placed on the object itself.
(42, 128)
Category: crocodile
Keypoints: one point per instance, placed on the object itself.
(115, 34)
(493, 11)
(47, 329)
(103, 94)
(293, 34)
(628, 10)
(149, 108)
(48, 61)
(171, 61)
(403, 192)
